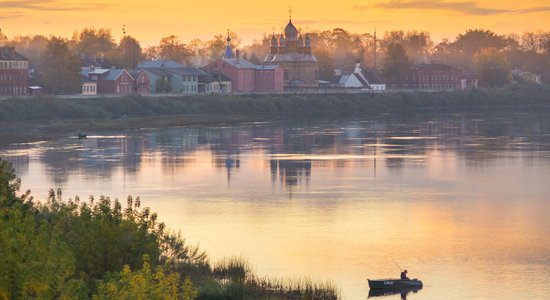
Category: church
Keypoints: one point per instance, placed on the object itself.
(292, 52)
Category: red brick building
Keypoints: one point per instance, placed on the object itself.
(435, 77)
(14, 78)
(245, 76)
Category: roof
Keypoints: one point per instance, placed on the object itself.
(242, 64)
(9, 53)
(433, 67)
(373, 76)
(114, 74)
(291, 57)
(98, 62)
(182, 71)
(159, 64)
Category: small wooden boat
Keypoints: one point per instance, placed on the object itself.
(81, 136)
(394, 283)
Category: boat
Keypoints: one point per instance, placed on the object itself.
(387, 284)
(81, 136)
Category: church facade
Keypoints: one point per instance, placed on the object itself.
(292, 52)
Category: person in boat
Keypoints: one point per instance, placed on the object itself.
(404, 275)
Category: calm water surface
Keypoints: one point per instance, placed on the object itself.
(460, 200)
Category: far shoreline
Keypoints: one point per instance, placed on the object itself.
(45, 118)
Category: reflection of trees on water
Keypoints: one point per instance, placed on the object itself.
(478, 137)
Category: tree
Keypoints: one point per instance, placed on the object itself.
(468, 44)
(171, 48)
(396, 63)
(61, 67)
(92, 42)
(493, 67)
(162, 85)
(128, 53)
(326, 65)
(3, 38)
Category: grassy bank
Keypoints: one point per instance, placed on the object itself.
(47, 108)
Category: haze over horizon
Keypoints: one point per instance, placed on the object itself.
(150, 21)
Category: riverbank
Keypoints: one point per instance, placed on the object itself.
(31, 119)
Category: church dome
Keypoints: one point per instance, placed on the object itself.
(291, 33)
(273, 41)
(281, 41)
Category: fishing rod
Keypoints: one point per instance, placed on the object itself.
(397, 266)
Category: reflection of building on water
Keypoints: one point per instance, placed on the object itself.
(290, 172)
(229, 162)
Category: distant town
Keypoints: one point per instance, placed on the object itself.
(293, 61)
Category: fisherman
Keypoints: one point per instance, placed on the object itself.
(404, 275)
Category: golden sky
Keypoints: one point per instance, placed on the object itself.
(150, 20)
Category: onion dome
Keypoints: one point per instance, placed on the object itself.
(281, 41)
(291, 33)
(273, 41)
(307, 41)
(300, 41)
(228, 50)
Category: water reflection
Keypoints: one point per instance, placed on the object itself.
(389, 292)
(462, 198)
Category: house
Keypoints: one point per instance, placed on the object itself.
(142, 82)
(435, 77)
(469, 81)
(106, 81)
(524, 76)
(215, 83)
(171, 77)
(369, 79)
(245, 76)
(14, 76)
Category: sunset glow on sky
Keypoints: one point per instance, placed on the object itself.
(150, 20)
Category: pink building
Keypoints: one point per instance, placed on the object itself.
(245, 76)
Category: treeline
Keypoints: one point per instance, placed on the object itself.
(292, 105)
(104, 249)
(478, 51)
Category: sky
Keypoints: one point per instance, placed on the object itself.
(149, 21)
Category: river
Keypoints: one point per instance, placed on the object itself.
(461, 200)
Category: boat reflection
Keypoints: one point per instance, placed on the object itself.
(389, 292)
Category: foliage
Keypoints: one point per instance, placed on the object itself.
(61, 67)
(396, 64)
(94, 42)
(145, 284)
(128, 53)
(163, 85)
(493, 67)
(172, 48)
(81, 250)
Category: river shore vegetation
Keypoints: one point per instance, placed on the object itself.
(100, 248)
(293, 105)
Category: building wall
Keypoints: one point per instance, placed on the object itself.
(124, 84)
(436, 79)
(242, 80)
(269, 80)
(89, 88)
(14, 79)
(142, 84)
(308, 72)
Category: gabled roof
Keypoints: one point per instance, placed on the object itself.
(373, 76)
(182, 71)
(242, 64)
(114, 74)
(9, 53)
(159, 64)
